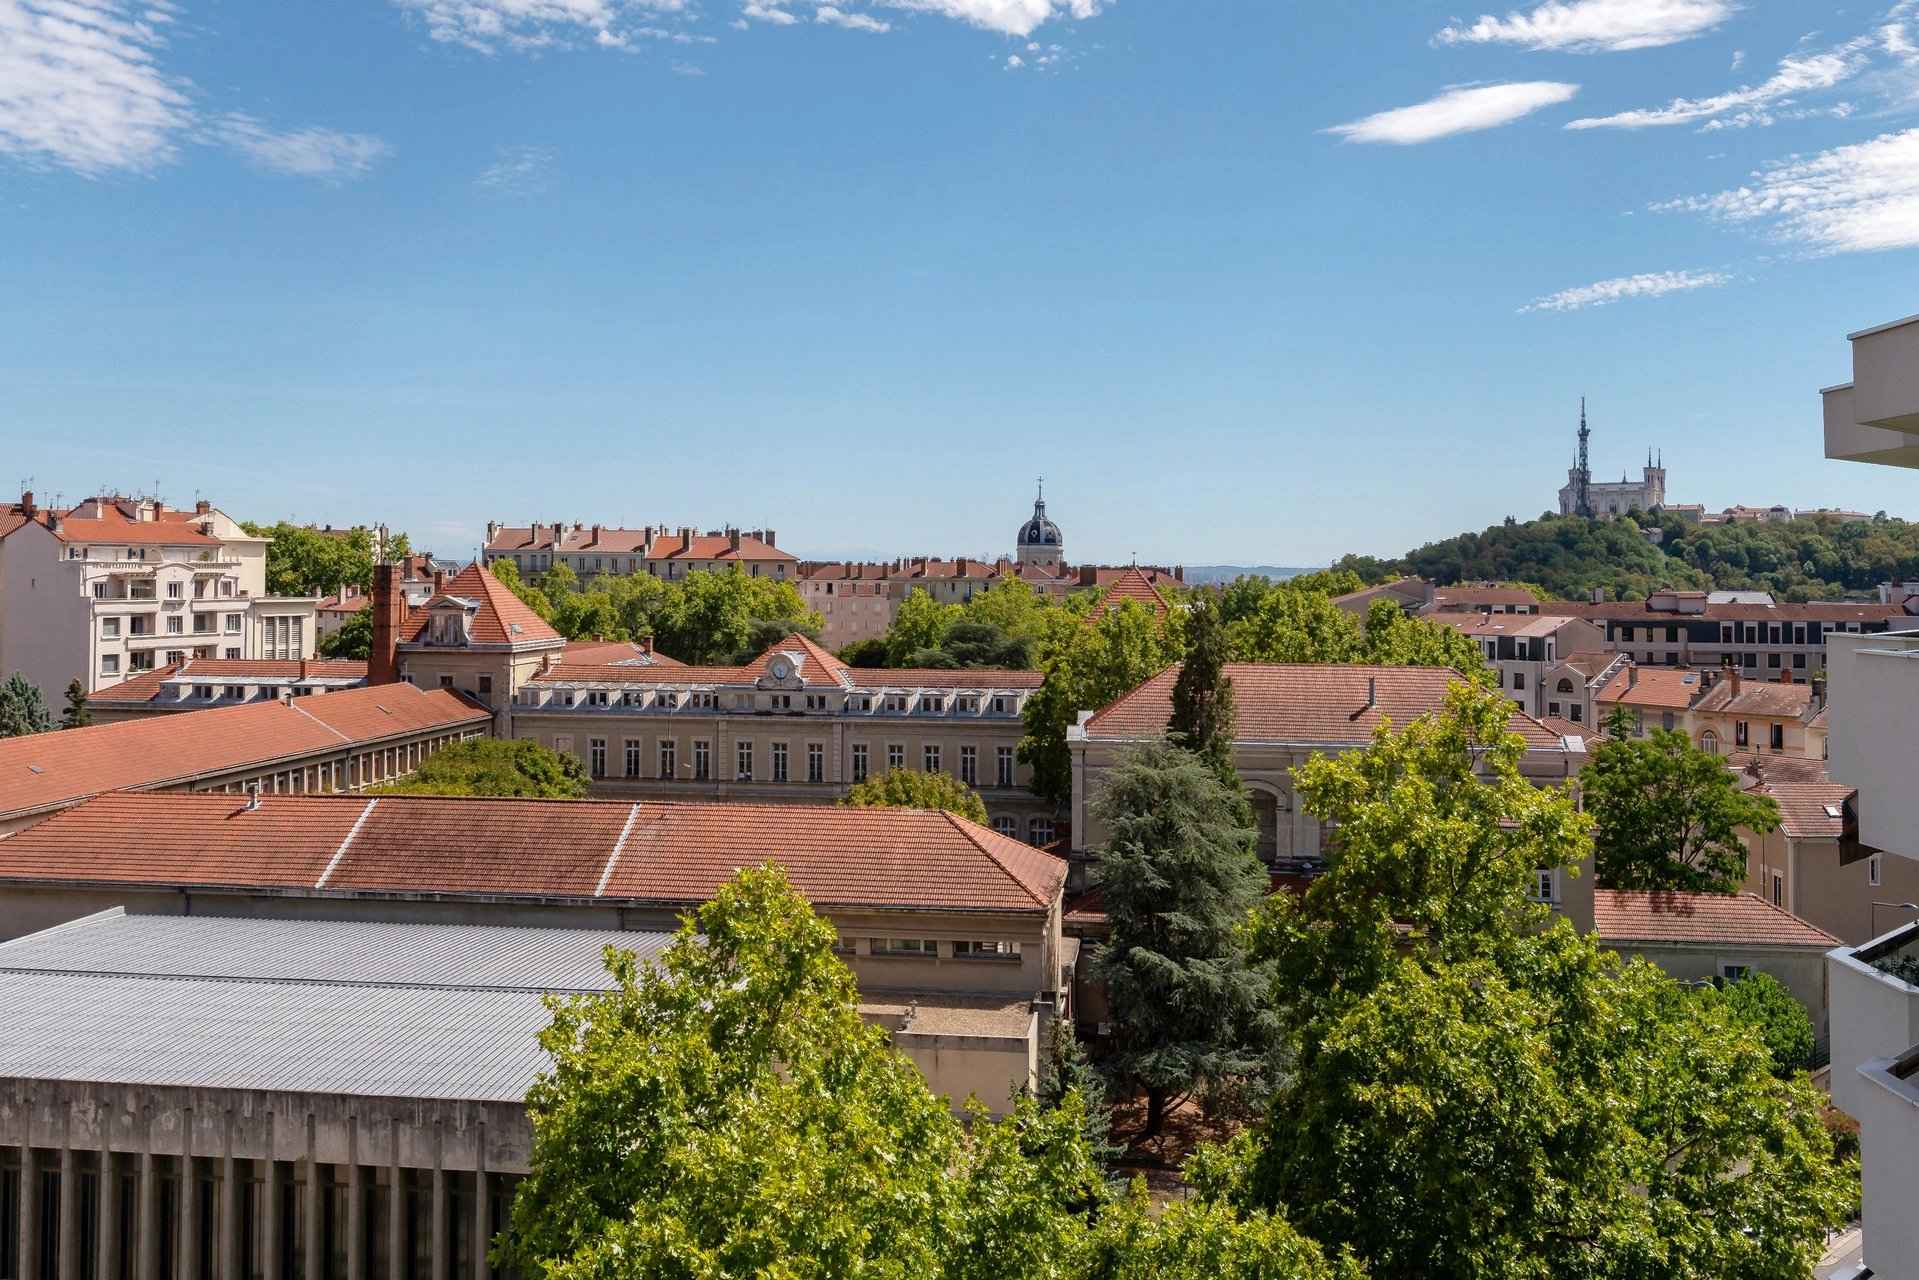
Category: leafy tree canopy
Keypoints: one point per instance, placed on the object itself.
(22, 709)
(1009, 626)
(1087, 666)
(911, 789)
(1763, 1003)
(495, 767)
(352, 639)
(1667, 814)
(302, 561)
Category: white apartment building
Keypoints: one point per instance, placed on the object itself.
(118, 586)
(1874, 697)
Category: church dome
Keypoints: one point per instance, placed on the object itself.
(1039, 531)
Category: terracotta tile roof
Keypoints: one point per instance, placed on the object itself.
(666, 853)
(1773, 767)
(44, 770)
(1667, 688)
(1636, 611)
(502, 617)
(1468, 595)
(614, 653)
(1757, 698)
(1729, 919)
(1809, 810)
(1405, 590)
(119, 529)
(1290, 702)
(939, 678)
(1130, 585)
(341, 602)
(1591, 664)
(817, 668)
(1571, 728)
(1504, 624)
(663, 545)
(146, 686)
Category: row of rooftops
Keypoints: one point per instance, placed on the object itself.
(112, 519)
(646, 543)
(1419, 596)
(1728, 693)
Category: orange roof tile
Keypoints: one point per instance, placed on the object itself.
(46, 770)
(1628, 916)
(1296, 702)
(1671, 688)
(1130, 585)
(1757, 698)
(614, 653)
(502, 618)
(674, 853)
(1809, 810)
(1470, 595)
(665, 544)
(816, 667)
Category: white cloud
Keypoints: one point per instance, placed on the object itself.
(837, 17)
(326, 154)
(769, 13)
(1738, 59)
(80, 86)
(1596, 26)
(1850, 199)
(1797, 74)
(1009, 17)
(517, 171)
(486, 25)
(1457, 111)
(1650, 284)
(1014, 62)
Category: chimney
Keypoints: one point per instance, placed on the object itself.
(1599, 595)
(492, 530)
(389, 613)
(1372, 691)
(203, 508)
(1785, 677)
(766, 536)
(645, 645)
(546, 663)
(439, 581)
(1732, 674)
(1632, 677)
(304, 666)
(27, 508)
(1818, 692)
(595, 540)
(686, 534)
(733, 539)
(646, 540)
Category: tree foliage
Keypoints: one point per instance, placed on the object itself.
(1477, 1092)
(1178, 879)
(495, 767)
(1204, 717)
(1009, 626)
(1667, 814)
(911, 789)
(22, 709)
(351, 639)
(1297, 621)
(1087, 666)
(727, 1112)
(1762, 1002)
(303, 561)
(77, 715)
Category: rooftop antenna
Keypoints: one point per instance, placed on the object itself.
(1582, 478)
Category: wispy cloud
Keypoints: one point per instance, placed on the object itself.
(1850, 199)
(1461, 110)
(1649, 284)
(80, 86)
(1008, 17)
(517, 171)
(489, 25)
(768, 13)
(837, 17)
(326, 154)
(1796, 74)
(1596, 26)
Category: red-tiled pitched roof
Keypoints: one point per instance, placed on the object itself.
(1770, 766)
(816, 668)
(1635, 611)
(1669, 688)
(1130, 585)
(43, 770)
(1809, 810)
(614, 653)
(1625, 916)
(664, 545)
(502, 617)
(147, 685)
(1504, 624)
(1757, 698)
(668, 853)
(1296, 702)
(1470, 595)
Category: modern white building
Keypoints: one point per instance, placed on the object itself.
(117, 586)
(1874, 693)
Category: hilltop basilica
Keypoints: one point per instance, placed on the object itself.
(1581, 495)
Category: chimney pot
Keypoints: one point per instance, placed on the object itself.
(733, 539)
(202, 507)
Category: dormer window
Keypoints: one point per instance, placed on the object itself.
(596, 698)
(667, 701)
(932, 706)
(449, 627)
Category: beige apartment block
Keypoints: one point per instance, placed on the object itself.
(1523, 649)
(664, 553)
(118, 586)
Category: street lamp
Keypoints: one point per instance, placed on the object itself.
(1872, 915)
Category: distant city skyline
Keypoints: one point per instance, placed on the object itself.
(1249, 284)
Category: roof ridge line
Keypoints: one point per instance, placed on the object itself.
(295, 705)
(613, 858)
(966, 827)
(339, 853)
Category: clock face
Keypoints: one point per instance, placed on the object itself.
(780, 669)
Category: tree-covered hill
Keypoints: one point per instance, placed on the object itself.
(1813, 558)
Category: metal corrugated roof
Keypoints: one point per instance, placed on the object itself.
(307, 1006)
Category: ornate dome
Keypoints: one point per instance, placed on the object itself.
(1039, 531)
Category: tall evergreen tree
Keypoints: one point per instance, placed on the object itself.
(78, 714)
(1204, 716)
(22, 709)
(1179, 878)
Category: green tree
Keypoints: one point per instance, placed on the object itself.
(78, 715)
(1203, 1238)
(495, 767)
(1477, 1092)
(921, 624)
(22, 709)
(1667, 814)
(1394, 640)
(531, 596)
(1178, 879)
(715, 617)
(911, 789)
(352, 639)
(1090, 666)
(1762, 1002)
(302, 561)
(1204, 719)
(1067, 1074)
(865, 653)
(1293, 624)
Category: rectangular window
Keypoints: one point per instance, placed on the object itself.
(110, 664)
(895, 755)
(446, 682)
(1543, 885)
(969, 766)
(1798, 662)
(1739, 733)
(1872, 870)
(175, 624)
(174, 591)
(743, 761)
(1004, 758)
(669, 768)
(815, 762)
(632, 757)
(486, 686)
(859, 762)
(924, 948)
(930, 753)
(1039, 831)
(779, 762)
(702, 761)
(1519, 679)
(1734, 972)
(977, 950)
(236, 692)
(110, 628)
(1778, 737)
(596, 756)
(233, 624)
(1772, 660)
(233, 654)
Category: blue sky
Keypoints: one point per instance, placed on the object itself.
(1251, 282)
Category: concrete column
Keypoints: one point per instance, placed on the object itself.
(187, 1232)
(228, 1260)
(29, 1251)
(69, 1260)
(355, 1205)
(271, 1227)
(109, 1251)
(481, 1235)
(146, 1231)
(440, 1263)
(397, 1259)
(312, 1243)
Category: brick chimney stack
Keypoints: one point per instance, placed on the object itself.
(27, 508)
(389, 612)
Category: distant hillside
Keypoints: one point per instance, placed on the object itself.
(1199, 575)
(1812, 558)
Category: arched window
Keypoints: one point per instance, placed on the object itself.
(1565, 685)
(1709, 741)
